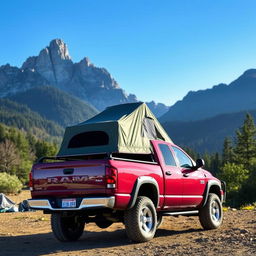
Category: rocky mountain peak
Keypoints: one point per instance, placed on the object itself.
(86, 62)
(59, 49)
(53, 63)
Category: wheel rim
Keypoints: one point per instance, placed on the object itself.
(215, 211)
(146, 219)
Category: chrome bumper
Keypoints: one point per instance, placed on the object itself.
(96, 202)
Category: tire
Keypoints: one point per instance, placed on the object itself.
(211, 215)
(160, 220)
(104, 223)
(141, 221)
(67, 229)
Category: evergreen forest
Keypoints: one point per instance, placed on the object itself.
(236, 165)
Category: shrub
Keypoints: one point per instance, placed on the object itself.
(235, 175)
(9, 183)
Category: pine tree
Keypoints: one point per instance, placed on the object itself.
(215, 163)
(245, 150)
(2, 133)
(228, 151)
(207, 161)
(44, 148)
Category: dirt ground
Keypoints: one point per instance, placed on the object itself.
(29, 234)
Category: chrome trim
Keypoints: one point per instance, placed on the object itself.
(95, 202)
(184, 196)
(181, 213)
(128, 195)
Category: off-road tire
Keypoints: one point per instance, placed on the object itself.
(67, 229)
(211, 215)
(141, 220)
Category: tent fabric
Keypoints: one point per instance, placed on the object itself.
(125, 128)
(6, 204)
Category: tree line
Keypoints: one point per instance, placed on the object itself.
(236, 165)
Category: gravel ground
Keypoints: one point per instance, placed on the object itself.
(29, 234)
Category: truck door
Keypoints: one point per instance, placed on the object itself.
(172, 178)
(193, 180)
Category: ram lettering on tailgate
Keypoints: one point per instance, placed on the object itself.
(69, 179)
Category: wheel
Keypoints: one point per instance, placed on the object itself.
(211, 215)
(67, 228)
(104, 223)
(141, 221)
(159, 220)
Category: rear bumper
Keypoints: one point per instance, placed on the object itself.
(96, 202)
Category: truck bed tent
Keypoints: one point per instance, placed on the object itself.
(125, 128)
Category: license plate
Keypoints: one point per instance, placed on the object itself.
(68, 203)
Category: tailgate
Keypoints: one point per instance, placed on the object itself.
(69, 178)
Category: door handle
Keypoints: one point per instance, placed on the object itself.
(185, 174)
(168, 173)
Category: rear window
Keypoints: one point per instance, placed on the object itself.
(89, 139)
(167, 155)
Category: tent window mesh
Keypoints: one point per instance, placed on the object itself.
(148, 128)
(89, 139)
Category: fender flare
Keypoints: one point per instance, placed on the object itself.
(209, 184)
(139, 182)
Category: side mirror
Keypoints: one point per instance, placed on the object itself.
(199, 163)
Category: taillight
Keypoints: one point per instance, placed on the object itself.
(30, 184)
(111, 177)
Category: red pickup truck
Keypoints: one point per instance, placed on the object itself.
(136, 189)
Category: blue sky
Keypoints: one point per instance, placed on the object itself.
(158, 50)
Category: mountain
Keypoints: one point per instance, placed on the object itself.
(237, 96)
(158, 109)
(13, 80)
(20, 116)
(56, 105)
(82, 79)
(206, 135)
(54, 66)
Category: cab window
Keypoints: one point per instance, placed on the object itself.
(183, 159)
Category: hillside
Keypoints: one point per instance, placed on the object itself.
(206, 135)
(20, 116)
(237, 96)
(56, 105)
